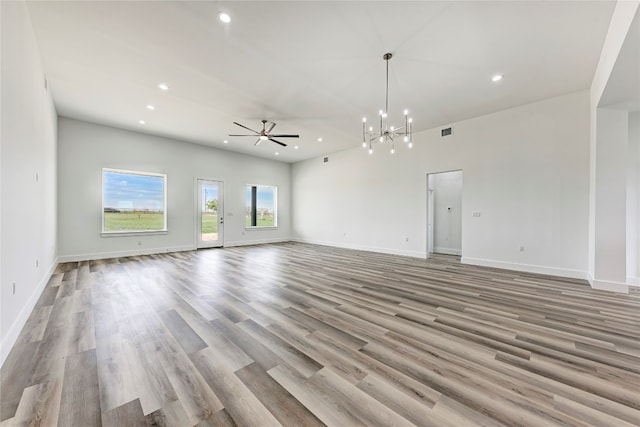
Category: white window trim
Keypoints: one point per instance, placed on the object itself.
(125, 233)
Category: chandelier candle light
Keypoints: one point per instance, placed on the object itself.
(386, 132)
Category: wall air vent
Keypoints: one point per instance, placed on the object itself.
(446, 131)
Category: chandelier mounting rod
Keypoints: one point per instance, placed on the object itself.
(387, 57)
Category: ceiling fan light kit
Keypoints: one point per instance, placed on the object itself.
(265, 134)
(386, 132)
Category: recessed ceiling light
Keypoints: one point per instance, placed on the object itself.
(142, 122)
(296, 147)
(150, 107)
(163, 86)
(225, 141)
(224, 17)
(277, 154)
(496, 78)
(319, 139)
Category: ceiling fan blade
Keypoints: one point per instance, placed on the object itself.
(271, 126)
(277, 142)
(258, 142)
(286, 136)
(243, 126)
(231, 134)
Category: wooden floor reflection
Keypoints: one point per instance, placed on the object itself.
(295, 334)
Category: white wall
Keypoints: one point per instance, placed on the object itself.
(447, 211)
(526, 170)
(359, 201)
(633, 201)
(614, 85)
(611, 192)
(28, 205)
(85, 148)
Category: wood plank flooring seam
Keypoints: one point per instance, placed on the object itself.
(316, 335)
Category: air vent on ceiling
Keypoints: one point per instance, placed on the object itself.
(446, 131)
(326, 160)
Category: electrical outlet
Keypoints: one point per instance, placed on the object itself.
(521, 248)
(14, 288)
(139, 243)
(406, 239)
(37, 263)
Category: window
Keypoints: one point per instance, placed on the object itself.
(262, 206)
(133, 202)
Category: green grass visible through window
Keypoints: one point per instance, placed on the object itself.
(132, 221)
(209, 223)
(262, 221)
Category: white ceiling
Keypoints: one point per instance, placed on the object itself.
(315, 68)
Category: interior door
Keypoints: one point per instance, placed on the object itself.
(210, 210)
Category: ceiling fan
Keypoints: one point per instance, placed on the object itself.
(265, 134)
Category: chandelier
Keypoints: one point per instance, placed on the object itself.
(386, 132)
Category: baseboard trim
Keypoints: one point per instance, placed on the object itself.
(120, 254)
(605, 285)
(390, 251)
(633, 281)
(528, 268)
(255, 242)
(14, 331)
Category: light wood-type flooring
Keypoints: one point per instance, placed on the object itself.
(302, 335)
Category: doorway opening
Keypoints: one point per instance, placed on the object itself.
(444, 213)
(210, 209)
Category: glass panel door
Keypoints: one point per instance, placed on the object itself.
(210, 214)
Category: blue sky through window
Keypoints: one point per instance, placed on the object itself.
(265, 197)
(132, 191)
(209, 192)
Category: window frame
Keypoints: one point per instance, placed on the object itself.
(275, 208)
(119, 233)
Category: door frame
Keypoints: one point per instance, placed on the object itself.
(198, 220)
(430, 217)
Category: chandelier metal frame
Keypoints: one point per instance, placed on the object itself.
(386, 132)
